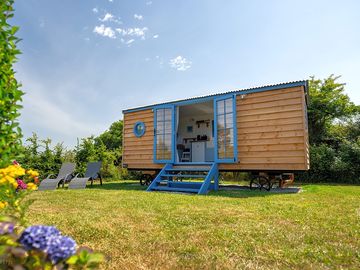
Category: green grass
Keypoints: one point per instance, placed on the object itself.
(318, 228)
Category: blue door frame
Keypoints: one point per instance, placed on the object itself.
(174, 135)
(217, 159)
(172, 159)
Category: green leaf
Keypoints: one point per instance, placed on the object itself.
(96, 258)
(72, 260)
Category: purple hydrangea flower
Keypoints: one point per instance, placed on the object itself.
(60, 248)
(38, 237)
(49, 240)
(6, 228)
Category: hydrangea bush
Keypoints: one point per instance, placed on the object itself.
(33, 247)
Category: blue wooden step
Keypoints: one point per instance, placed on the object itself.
(187, 170)
(166, 180)
(184, 175)
(163, 188)
(184, 184)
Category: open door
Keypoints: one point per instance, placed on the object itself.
(164, 134)
(225, 129)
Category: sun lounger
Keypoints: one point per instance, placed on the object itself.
(65, 174)
(92, 173)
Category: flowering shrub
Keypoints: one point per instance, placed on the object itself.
(13, 191)
(42, 247)
(34, 247)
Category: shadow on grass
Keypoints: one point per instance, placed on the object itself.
(118, 186)
(242, 193)
(231, 193)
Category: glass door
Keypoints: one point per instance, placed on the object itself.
(225, 130)
(164, 134)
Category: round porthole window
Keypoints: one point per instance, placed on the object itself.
(139, 129)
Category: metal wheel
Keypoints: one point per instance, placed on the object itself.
(260, 182)
(267, 185)
(145, 179)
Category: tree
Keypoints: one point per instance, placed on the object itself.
(10, 93)
(113, 137)
(334, 130)
(85, 152)
(328, 103)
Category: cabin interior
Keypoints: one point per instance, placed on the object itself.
(195, 132)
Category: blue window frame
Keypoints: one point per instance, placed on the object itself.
(139, 129)
(164, 134)
(225, 129)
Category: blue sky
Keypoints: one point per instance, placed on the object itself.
(85, 61)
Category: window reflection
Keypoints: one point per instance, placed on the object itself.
(163, 134)
(225, 129)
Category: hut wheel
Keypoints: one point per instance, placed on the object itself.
(260, 182)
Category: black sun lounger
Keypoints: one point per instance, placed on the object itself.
(65, 174)
(92, 173)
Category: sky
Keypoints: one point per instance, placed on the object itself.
(85, 61)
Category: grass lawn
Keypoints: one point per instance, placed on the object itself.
(318, 228)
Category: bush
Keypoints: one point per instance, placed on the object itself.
(34, 247)
(10, 95)
(327, 164)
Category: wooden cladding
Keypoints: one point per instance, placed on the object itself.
(138, 151)
(271, 132)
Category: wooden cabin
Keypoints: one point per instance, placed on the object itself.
(261, 129)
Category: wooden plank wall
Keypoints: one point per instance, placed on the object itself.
(138, 152)
(306, 135)
(271, 131)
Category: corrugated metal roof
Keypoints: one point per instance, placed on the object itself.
(239, 91)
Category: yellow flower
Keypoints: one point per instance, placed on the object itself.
(14, 184)
(8, 180)
(32, 173)
(13, 171)
(3, 205)
(31, 186)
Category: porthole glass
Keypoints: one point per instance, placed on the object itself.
(139, 129)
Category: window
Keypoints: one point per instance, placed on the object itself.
(163, 133)
(139, 129)
(225, 129)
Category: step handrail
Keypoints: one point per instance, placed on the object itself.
(206, 184)
(158, 177)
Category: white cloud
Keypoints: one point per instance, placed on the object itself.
(130, 41)
(138, 17)
(95, 10)
(148, 3)
(155, 36)
(51, 117)
(104, 31)
(133, 32)
(107, 17)
(111, 0)
(180, 63)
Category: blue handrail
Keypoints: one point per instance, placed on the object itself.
(213, 173)
(158, 177)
